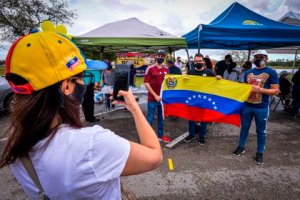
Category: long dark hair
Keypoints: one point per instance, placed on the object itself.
(208, 63)
(35, 117)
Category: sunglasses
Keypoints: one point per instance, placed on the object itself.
(75, 78)
(260, 57)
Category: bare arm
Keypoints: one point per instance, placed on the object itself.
(274, 89)
(147, 155)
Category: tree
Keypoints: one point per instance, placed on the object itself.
(238, 56)
(19, 17)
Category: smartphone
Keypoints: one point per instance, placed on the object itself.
(121, 80)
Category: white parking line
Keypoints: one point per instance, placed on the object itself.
(119, 108)
(177, 140)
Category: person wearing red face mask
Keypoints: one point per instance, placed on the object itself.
(199, 70)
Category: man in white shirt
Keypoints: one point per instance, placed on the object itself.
(178, 63)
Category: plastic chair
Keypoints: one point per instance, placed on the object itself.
(283, 99)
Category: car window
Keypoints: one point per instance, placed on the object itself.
(3, 81)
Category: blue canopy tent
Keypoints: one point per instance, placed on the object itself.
(239, 28)
(95, 64)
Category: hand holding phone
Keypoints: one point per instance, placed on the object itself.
(121, 80)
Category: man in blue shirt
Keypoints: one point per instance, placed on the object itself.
(264, 81)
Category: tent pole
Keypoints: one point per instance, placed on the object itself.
(170, 52)
(188, 56)
(249, 51)
(187, 53)
(199, 29)
(294, 63)
(101, 52)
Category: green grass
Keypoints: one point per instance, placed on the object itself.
(283, 67)
(2, 70)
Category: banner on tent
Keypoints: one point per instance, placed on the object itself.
(136, 58)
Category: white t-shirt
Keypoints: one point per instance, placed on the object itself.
(81, 163)
(178, 64)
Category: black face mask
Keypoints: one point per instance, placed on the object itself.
(198, 65)
(78, 93)
(159, 60)
(259, 63)
(109, 67)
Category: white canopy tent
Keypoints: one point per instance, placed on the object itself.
(291, 18)
(129, 35)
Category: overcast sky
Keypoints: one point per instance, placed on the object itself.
(174, 16)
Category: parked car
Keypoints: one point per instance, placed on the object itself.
(6, 95)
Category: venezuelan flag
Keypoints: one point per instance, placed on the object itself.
(205, 99)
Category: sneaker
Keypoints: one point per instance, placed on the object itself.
(189, 138)
(259, 159)
(201, 140)
(165, 139)
(238, 151)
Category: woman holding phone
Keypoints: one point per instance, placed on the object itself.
(71, 161)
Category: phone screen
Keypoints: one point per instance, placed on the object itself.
(121, 80)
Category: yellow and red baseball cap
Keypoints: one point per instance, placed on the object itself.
(43, 59)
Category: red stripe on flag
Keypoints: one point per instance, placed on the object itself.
(200, 114)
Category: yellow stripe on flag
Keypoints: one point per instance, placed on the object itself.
(210, 85)
(171, 167)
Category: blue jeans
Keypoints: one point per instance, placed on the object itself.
(261, 118)
(108, 101)
(192, 126)
(160, 121)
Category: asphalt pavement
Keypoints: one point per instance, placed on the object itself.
(203, 172)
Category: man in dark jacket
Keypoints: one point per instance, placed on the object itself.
(222, 65)
(172, 68)
(199, 70)
(284, 84)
